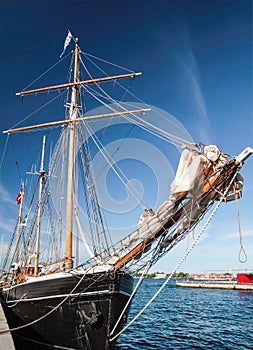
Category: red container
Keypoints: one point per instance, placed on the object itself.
(245, 277)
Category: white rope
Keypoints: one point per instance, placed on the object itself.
(128, 91)
(102, 60)
(145, 125)
(4, 152)
(113, 167)
(39, 109)
(131, 296)
(84, 238)
(48, 70)
(178, 265)
(109, 98)
(140, 124)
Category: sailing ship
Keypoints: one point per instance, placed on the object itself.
(57, 302)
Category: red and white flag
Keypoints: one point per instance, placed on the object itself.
(20, 197)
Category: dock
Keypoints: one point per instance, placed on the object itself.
(6, 341)
(228, 285)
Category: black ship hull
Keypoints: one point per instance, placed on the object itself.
(83, 321)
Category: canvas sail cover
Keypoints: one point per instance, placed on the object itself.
(193, 169)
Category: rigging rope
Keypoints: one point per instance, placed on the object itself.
(126, 90)
(113, 167)
(113, 153)
(83, 237)
(4, 152)
(109, 98)
(17, 163)
(39, 109)
(179, 264)
(96, 219)
(121, 86)
(132, 295)
(168, 137)
(48, 70)
(149, 127)
(102, 60)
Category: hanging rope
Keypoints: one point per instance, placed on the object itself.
(242, 256)
(21, 298)
(49, 312)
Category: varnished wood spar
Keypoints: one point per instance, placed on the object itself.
(41, 179)
(207, 194)
(69, 208)
(76, 83)
(66, 121)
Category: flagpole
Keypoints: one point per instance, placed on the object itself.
(16, 256)
(42, 173)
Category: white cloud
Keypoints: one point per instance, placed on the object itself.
(235, 235)
(7, 206)
(6, 224)
(190, 72)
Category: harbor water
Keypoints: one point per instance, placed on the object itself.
(185, 318)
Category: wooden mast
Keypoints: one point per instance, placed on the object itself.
(42, 173)
(71, 121)
(69, 213)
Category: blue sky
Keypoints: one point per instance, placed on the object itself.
(196, 60)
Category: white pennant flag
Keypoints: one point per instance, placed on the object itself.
(66, 43)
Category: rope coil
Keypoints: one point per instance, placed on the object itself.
(241, 250)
